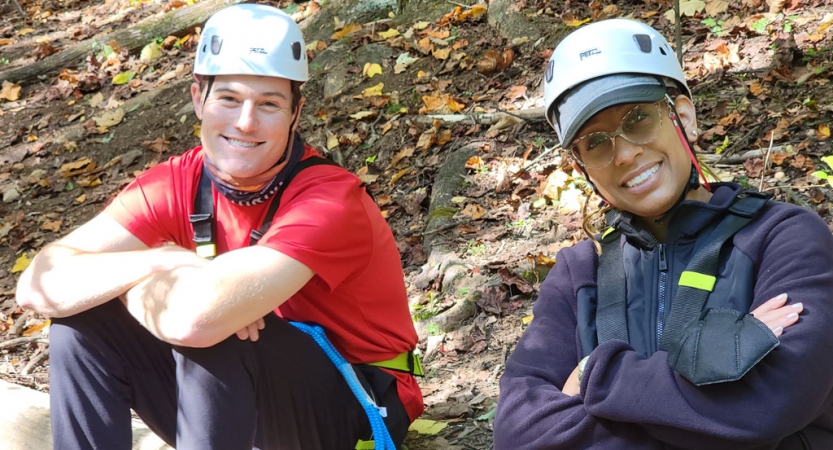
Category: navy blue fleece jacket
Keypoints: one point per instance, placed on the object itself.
(632, 399)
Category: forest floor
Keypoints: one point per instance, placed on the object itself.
(70, 140)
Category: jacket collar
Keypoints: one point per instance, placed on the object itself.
(690, 218)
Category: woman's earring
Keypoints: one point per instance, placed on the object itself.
(694, 133)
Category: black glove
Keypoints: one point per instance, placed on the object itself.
(719, 346)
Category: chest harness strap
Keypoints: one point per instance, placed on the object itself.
(696, 281)
(203, 223)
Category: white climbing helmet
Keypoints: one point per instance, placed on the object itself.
(251, 39)
(622, 47)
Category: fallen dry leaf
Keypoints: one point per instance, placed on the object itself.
(158, 145)
(109, 118)
(51, 225)
(10, 91)
(346, 31)
(474, 211)
(404, 153)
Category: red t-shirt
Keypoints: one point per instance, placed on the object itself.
(327, 222)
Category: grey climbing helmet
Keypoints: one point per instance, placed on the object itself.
(599, 50)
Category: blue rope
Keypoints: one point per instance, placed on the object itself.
(377, 424)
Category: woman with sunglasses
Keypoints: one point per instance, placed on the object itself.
(700, 318)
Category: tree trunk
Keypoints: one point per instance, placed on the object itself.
(132, 38)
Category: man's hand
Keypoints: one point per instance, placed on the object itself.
(251, 331)
(777, 315)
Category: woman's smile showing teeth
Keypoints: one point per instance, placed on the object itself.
(639, 179)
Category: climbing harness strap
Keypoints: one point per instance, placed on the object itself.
(694, 286)
(203, 223)
(381, 436)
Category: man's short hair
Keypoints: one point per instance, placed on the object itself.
(295, 87)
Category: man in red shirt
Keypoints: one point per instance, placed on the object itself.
(177, 300)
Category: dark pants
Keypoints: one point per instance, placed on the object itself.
(281, 392)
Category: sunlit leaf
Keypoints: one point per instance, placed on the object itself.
(150, 52)
(36, 328)
(25, 31)
(441, 53)
(828, 160)
(124, 77)
(373, 90)
(346, 31)
(526, 320)
(691, 7)
(363, 115)
(398, 175)
(573, 22)
(6, 41)
(393, 32)
(81, 198)
(425, 426)
(371, 69)
(21, 263)
(420, 25)
(197, 130)
(332, 142)
(820, 174)
(715, 7)
(823, 132)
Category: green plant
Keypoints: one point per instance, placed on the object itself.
(475, 249)
(371, 159)
(743, 181)
(716, 26)
(825, 174)
(393, 108)
(810, 103)
(4, 61)
(761, 24)
(788, 23)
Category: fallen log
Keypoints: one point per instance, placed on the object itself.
(132, 39)
(531, 115)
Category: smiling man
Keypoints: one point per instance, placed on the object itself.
(179, 299)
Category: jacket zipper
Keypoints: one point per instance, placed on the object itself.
(663, 271)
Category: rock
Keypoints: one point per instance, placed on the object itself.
(335, 82)
(11, 195)
(511, 23)
(374, 54)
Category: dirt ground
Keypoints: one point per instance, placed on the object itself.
(69, 141)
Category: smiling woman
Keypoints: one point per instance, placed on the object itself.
(679, 327)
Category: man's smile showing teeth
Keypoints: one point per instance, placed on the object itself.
(639, 179)
(237, 143)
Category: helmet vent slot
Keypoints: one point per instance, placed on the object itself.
(662, 50)
(216, 44)
(296, 50)
(643, 41)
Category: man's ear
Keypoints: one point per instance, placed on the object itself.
(688, 116)
(196, 99)
(297, 115)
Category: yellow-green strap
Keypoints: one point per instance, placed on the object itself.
(405, 362)
(207, 250)
(608, 231)
(697, 281)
